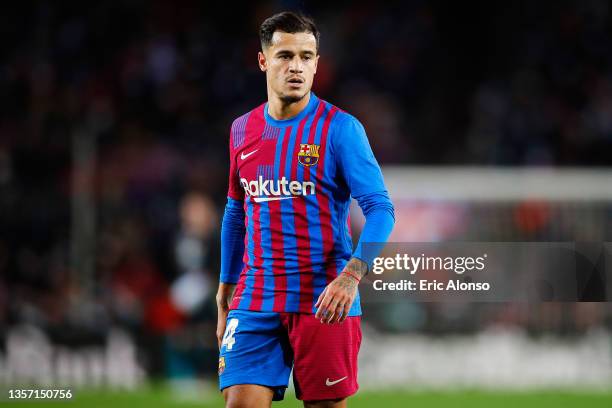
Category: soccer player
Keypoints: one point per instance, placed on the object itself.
(287, 254)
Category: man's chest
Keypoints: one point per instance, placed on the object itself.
(280, 153)
(281, 163)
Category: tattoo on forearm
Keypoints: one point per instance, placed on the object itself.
(357, 266)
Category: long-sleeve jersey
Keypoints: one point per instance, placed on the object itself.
(285, 232)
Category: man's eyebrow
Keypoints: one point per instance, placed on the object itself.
(289, 52)
(279, 52)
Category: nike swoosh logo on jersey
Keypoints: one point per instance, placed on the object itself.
(244, 156)
(330, 383)
(262, 199)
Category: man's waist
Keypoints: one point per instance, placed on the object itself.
(296, 268)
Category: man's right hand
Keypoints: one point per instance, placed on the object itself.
(224, 297)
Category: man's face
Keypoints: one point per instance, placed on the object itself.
(290, 64)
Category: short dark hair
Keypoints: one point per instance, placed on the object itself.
(287, 22)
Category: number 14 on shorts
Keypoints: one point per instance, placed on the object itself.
(228, 336)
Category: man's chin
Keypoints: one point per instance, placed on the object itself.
(293, 97)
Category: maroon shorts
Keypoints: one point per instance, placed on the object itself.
(325, 356)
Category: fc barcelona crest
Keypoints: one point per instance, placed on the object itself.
(308, 154)
(221, 365)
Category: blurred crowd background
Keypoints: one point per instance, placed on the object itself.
(153, 88)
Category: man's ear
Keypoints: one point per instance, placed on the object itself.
(316, 63)
(261, 59)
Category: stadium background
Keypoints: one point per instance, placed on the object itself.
(113, 169)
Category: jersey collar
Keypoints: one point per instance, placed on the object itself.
(312, 104)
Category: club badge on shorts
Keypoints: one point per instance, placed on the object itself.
(308, 154)
(221, 365)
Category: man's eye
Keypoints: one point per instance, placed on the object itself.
(307, 57)
(285, 57)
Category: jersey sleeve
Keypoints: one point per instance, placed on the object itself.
(363, 176)
(232, 226)
(355, 159)
(235, 190)
(232, 242)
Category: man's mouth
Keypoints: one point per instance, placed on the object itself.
(295, 81)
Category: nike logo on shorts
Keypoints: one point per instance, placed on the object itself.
(330, 383)
(244, 156)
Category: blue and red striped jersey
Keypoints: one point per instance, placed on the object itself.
(295, 179)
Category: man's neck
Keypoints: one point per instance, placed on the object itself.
(280, 110)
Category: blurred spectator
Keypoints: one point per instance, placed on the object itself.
(195, 252)
(192, 349)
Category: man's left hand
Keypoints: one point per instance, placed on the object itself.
(337, 298)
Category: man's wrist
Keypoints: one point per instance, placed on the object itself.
(224, 294)
(352, 276)
(356, 267)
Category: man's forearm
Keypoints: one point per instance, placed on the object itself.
(232, 242)
(379, 219)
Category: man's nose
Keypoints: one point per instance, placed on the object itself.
(296, 67)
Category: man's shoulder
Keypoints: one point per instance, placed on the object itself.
(342, 121)
(243, 119)
(239, 125)
(341, 117)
